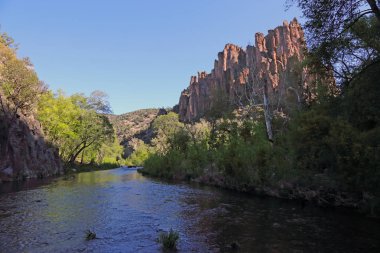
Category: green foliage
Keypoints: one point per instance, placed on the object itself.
(138, 157)
(343, 36)
(166, 128)
(169, 240)
(361, 100)
(72, 124)
(110, 152)
(220, 106)
(19, 85)
(339, 138)
(239, 149)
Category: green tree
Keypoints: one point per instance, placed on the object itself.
(93, 130)
(19, 84)
(343, 36)
(72, 124)
(165, 128)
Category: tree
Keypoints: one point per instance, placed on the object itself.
(98, 101)
(166, 127)
(73, 125)
(343, 35)
(19, 84)
(94, 131)
(8, 41)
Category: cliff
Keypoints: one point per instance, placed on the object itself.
(24, 152)
(274, 60)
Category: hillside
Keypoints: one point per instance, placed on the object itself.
(134, 125)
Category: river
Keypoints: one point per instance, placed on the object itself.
(128, 211)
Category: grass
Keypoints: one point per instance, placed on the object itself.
(169, 239)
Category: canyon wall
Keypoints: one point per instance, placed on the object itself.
(24, 152)
(275, 60)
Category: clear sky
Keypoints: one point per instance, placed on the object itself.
(140, 52)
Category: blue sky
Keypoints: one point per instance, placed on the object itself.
(141, 53)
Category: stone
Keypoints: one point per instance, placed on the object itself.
(25, 153)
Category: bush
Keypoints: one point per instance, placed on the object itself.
(169, 240)
(139, 156)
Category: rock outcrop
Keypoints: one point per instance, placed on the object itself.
(274, 59)
(24, 152)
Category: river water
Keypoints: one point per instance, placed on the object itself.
(128, 211)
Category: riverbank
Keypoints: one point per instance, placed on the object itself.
(319, 195)
(77, 167)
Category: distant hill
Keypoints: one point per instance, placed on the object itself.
(135, 125)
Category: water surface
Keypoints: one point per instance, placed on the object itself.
(128, 211)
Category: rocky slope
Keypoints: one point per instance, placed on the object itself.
(274, 60)
(134, 126)
(24, 152)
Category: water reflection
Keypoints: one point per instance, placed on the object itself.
(127, 211)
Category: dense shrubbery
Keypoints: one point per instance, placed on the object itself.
(237, 149)
(341, 137)
(140, 154)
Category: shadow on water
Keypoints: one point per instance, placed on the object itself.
(128, 211)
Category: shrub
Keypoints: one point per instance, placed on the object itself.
(169, 240)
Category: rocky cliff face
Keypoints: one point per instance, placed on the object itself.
(273, 60)
(23, 151)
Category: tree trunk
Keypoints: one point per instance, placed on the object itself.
(267, 114)
(375, 9)
(75, 155)
(81, 159)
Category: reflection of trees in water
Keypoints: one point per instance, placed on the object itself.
(84, 200)
(223, 218)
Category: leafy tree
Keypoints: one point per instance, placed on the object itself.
(8, 41)
(19, 84)
(343, 36)
(140, 155)
(109, 152)
(93, 130)
(72, 124)
(98, 101)
(165, 127)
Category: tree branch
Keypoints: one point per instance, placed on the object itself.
(375, 9)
